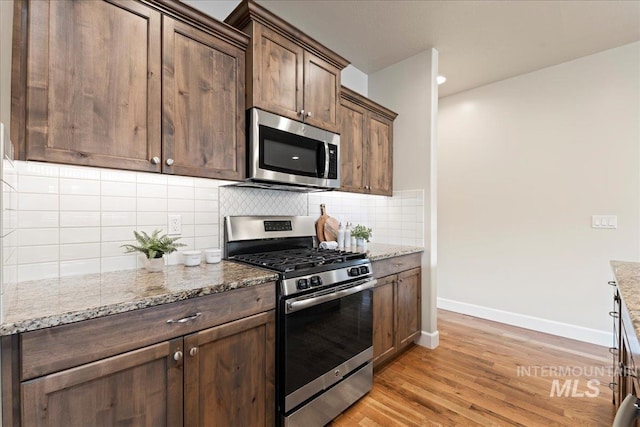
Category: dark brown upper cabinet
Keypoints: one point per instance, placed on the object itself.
(366, 145)
(142, 85)
(289, 73)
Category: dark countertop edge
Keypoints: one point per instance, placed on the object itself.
(34, 324)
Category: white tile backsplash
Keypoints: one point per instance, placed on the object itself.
(73, 220)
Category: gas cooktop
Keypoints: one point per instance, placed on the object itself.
(298, 259)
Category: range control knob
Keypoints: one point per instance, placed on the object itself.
(364, 269)
(316, 281)
(355, 271)
(303, 284)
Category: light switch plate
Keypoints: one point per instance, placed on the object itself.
(604, 221)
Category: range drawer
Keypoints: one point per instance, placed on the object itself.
(385, 267)
(61, 347)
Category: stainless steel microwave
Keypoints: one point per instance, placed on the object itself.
(285, 152)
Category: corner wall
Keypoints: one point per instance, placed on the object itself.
(524, 163)
(409, 88)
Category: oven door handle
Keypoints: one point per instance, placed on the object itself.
(301, 304)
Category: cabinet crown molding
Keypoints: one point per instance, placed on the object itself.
(248, 11)
(367, 103)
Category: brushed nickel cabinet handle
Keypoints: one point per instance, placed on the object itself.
(185, 319)
(611, 282)
(302, 113)
(177, 355)
(613, 350)
(193, 351)
(155, 160)
(169, 162)
(308, 113)
(613, 314)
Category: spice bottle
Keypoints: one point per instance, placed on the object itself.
(347, 237)
(341, 232)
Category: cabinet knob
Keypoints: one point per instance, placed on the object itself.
(308, 113)
(193, 351)
(612, 282)
(302, 113)
(155, 160)
(177, 355)
(169, 162)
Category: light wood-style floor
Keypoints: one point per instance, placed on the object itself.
(473, 378)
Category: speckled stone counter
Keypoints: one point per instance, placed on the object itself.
(378, 251)
(628, 279)
(44, 303)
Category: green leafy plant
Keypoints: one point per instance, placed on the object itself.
(153, 246)
(361, 232)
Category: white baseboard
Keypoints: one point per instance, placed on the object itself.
(429, 339)
(552, 327)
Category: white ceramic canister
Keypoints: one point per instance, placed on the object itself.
(213, 255)
(192, 258)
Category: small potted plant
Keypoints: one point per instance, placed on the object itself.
(362, 235)
(154, 246)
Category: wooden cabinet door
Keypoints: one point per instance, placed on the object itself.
(321, 93)
(384, 319)
(408, 306)
(93, 83)
(352, 146)
(230, 374)
(379, 168)
(138, 388)
(277, 73)
(203, 104)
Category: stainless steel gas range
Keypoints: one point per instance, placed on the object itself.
(324, 341)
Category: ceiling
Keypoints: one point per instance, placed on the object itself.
(479, 42)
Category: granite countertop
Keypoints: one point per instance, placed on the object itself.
(628, 279)
(29, 306)
(378, 251)
(38, 304)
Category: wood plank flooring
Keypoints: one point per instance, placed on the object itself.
(489, 374)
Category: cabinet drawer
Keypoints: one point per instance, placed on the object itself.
(394, 265)
(53, 349)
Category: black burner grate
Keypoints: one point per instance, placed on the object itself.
(298, 259)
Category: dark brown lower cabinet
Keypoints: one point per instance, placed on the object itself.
(396, 306)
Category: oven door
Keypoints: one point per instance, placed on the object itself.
(325, 336)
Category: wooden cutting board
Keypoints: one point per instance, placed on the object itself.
(331, 229)
(320, 224)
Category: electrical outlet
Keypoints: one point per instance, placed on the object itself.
(175, 225)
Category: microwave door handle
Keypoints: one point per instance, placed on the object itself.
(322, 159)
(325, 174)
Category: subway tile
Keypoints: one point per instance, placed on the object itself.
(118, 263)
(79, 186)
(79, 203)
(180, 192)
(37, 202)
(79, 251)
(79, 235)
(183, 181)
(188, 230)
(80, 172)
(116, 234)
(113, 249)
(9, 255)
(206, 230)
(79, 267)
(176, 205)
(79, 219)
(151, 205)
(35, 219)
(118, 176)
(206, 206)
(151, 178)
(207, 183)
(9, 274)
(43, 270)
(206, 193)
(120, 189)
(186, 217)
(151, 218)
(206, 242)
(38, 169)
(201, 218)
(38, 184)
(114, 219)
(151, 190)
(38, 236)
(118, 204)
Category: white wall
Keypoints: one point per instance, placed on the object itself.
(409, 88)
(6, 26)
(523, 164)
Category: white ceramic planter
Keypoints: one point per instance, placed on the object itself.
(361, 244)
(155, 265)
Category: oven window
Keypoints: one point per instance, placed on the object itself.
(319, 338)
(290, 153)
